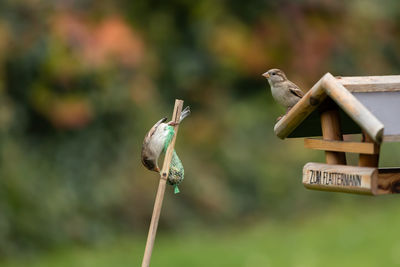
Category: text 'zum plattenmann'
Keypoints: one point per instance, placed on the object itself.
(334, 178)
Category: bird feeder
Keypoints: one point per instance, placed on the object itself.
(339, 106)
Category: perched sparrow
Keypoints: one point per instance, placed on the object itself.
(283, 91)
(154, 141)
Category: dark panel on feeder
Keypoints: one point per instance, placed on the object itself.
(348, 125)
(386, 107)
(311, 126)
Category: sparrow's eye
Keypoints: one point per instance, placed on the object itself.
(273, 73)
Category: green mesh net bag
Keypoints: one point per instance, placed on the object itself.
(176, 171)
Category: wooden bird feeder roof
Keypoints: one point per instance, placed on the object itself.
(335, 106)
(369, 104)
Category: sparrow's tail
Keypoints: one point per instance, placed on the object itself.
(185, 113)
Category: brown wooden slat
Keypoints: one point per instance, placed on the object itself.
(385, 83)
(391, 138)
(341, 146)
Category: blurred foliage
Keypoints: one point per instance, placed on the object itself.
(81, 82)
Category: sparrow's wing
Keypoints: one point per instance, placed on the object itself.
(153, 129)
(294, 89)
(148, 159)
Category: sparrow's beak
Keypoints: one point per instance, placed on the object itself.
(157, 169)
(266, 75)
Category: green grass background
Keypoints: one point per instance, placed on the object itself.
(362, 233)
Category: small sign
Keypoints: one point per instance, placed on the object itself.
(340, 178)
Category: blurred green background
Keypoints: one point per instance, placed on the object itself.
(81, 82)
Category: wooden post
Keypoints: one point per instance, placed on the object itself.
(161, 187)
(366, 160)
(330, 124)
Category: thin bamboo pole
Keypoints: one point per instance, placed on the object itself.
(161, 188)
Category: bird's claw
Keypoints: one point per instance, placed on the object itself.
(281, 116)
(172, 123)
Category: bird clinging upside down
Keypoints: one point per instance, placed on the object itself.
(154, 141)
(283, 91)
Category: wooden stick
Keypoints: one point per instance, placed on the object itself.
(161, 187)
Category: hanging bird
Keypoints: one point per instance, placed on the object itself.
(283, 91)
(155, 139)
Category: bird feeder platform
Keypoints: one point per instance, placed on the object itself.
(336, 107)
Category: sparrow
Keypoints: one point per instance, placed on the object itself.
(283, 91)
(154, 141)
